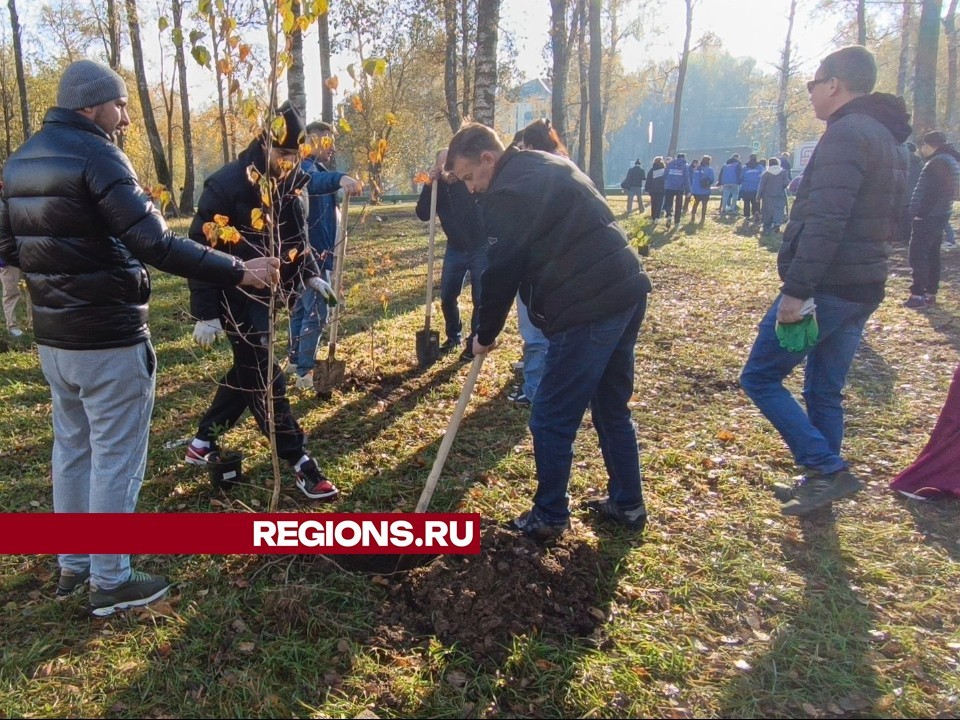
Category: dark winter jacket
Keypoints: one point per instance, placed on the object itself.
(74, 218)
(913, 175)
(773, 184)
(750, 177)
(459, 214)
(730, 172)
(322, 217)
(634, 179)
(552, 236)
(229, 192)
(937, 187)
(655, 179)
(848, 203)
(678, 176)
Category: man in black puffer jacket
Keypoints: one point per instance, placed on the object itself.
(930, 208)
(552, 236)
(834, 255)
(75, 220)
(234, 192)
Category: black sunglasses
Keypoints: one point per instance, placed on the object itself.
(811, 84)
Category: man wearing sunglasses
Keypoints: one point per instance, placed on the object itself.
(834, 253)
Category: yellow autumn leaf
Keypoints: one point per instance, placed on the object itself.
(221, 220)
(253, 175)
(333, 83)
(326, 142)
(292, 254)
(165, 198)
(382, 147)
(244, 52)
(230, 235)
(357, 103)
(373, 156)
(278, 128)
(344, 125)
(210, 232)
(305, 150)
(265, 192)
(391, 119)
(256, 219)
(225, 66)
(421, 177)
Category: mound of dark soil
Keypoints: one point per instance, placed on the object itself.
(513, 587)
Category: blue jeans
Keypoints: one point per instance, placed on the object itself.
(814, 436)
(728, 198)
(535, 346)
(102, 403)
(588, 365)
(307, 319)
(456, 264)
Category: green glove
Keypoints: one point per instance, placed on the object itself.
(799, 336)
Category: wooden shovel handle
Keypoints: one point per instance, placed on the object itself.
(339, 255)
(430, 253)
(450, 434)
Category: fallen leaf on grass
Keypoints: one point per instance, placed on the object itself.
(246, 646)
(743, 665)
(456, 678)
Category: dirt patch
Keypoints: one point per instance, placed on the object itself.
(513, 587)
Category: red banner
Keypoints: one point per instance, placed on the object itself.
(240, 533)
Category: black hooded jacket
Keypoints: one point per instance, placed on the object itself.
(848, 203)
(937, 186)
(552, 236)
(74, 218)
(231, 193)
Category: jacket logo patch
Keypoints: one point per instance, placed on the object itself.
(492, 240)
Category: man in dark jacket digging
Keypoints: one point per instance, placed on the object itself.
(235, 192)
(834, 256)
(75, 220)
(930, 208)
(551, 235)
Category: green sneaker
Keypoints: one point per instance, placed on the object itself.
(70, 582)
(141, 589)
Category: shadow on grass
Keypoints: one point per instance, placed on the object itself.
(872, 375)
(936, 520)
(819, 662)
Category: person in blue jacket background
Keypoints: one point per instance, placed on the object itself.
(675, 185)
(749, 184)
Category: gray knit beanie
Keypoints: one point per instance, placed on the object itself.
(86, 83)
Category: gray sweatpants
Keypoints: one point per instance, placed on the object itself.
(102, 402)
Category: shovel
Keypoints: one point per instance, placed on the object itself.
(329, 373)
(428, 341)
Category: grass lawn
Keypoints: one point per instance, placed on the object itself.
(727, 608)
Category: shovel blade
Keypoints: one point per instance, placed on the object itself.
(428, 347)
(328, 375)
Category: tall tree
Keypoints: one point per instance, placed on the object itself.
(950, 30)
(21, 74)
(6, 95)
(925, 72)
(596, 97)
(485, 83)
(861, 22)
(186, 195)
(681, 76)
(560, 46)
(143, 90)
(584, 75)
(450, 63)
(296, 85)
(785, 70)
(466, 33)
(326, 93)
(904, 63)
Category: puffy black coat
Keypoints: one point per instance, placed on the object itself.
(74, 218)
(459, 214)
(231, 193)
(848, 203)
(552, 236)
(937, 185)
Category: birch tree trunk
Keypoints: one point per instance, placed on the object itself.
(21, 75)
(326, 94)
(186, 196)
(561, 66)
(785, 80)
(485, 78)
(296, 84)
(596, 108)
(450, 63)
(681, 76)
(925, 73)
(903, 65)
(584, 85)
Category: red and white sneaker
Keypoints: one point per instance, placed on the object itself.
(198, 455)
(313, 483)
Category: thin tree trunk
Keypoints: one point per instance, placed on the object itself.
(326, 94)
(584, 86)
(925, 73)
(861, 22)
(21, 75)
(186, 196)
(681, 76)
(149, 121)
(450, 63)
(113, 33)
(785, 80)
(903, 65)
(485, 78)
(950, 30)
(561, 65)
(221, 109)
(296, 85)
(465, 36)
(6, 98)
(596, 109)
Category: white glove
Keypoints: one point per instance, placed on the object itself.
(324, 288)
(207, 332)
